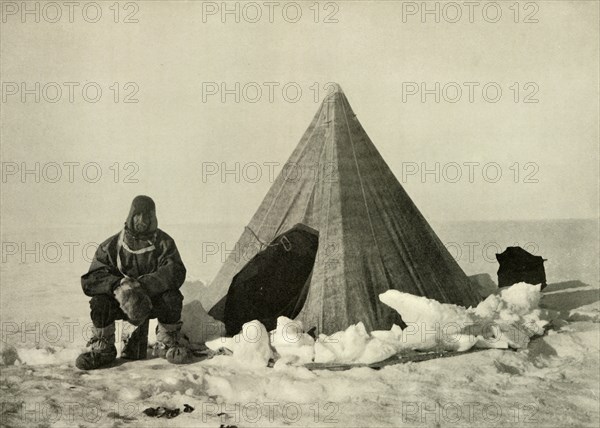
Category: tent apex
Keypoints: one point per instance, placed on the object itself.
(333, 89)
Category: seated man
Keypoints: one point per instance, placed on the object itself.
(135, 275)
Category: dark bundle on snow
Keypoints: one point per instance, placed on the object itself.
(518, 265)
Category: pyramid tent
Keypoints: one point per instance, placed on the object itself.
(371, 236)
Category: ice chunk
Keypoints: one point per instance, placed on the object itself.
(221, 342)
(252, 346)
(509, 318)
(323, 354)
(491, 343)
(522, 297)
(392, 336)
(346, 346)
(291, 343)
(459, 342)
(376, 350)
(423, 311)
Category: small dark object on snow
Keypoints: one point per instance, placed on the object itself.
(517, 265)
(171, 413)
(159, 412)
(187, 408)
(151, 411)
(228, 426)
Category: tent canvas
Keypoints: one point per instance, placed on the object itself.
(372, 237)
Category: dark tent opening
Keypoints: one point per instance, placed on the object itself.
(273, 283)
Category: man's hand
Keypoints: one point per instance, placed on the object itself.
(133, 301)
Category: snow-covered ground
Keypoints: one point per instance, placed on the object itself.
(553, 382)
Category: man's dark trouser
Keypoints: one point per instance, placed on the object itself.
(166, 307)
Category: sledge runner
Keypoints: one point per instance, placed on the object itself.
(135, 275)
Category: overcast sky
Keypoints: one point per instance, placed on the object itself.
(178, 53)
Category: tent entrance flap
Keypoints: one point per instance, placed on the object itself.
(274, 282)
